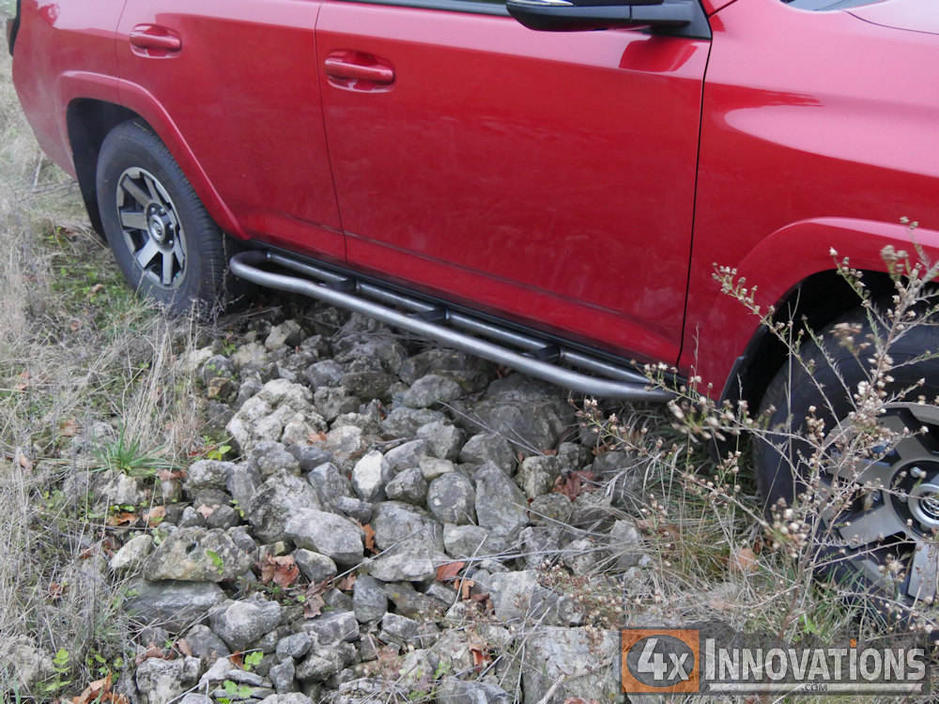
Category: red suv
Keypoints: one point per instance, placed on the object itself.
(555, 201)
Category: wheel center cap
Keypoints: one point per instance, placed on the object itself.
(924, 504)
(159, 227)
(156, 229)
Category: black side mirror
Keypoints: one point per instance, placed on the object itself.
(580, 15)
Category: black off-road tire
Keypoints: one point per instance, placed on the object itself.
(788, 398)
(165, 243)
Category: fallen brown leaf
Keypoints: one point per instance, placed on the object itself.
(153, 651)
(369, 538)
(168, 474)
(346, 583)
(282, 570)
(123, 518)
(155, 515)
(98, 691)
(313, 606)
(465, 586)
(480, 658)
(573, 484)
(448, 572)
(109, 544)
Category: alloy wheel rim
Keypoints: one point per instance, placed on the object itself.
(897, 509)
(151, 227)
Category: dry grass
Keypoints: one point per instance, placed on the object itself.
(711, 559)
(716, 554)
(78, 353)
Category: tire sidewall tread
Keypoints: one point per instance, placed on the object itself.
(132, 144)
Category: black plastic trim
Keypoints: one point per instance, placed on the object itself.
(472, 6)
(14, 28)
(698, 28)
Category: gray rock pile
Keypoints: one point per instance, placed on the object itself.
(381, 531)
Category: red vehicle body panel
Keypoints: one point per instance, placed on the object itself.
(810, 140)
(548, 175)
(66, 51)
(585, 183)
(243, 89)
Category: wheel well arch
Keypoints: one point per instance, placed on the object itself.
(89, 121)
(811, 304)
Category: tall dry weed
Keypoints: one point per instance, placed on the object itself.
(81, 361)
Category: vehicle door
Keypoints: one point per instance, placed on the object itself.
(545, 176)
(239, 82)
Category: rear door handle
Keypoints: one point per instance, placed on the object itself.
(355, 70)
(338, 68)
(154, 40)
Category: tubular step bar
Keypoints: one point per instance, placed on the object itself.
(450, 328)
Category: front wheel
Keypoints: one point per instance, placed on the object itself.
(165, 243)
(872, 469)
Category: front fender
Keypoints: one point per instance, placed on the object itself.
(76, 85)
(776, 265)
(138, 99)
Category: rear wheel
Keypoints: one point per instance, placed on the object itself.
(879, 514)
(165, 243)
